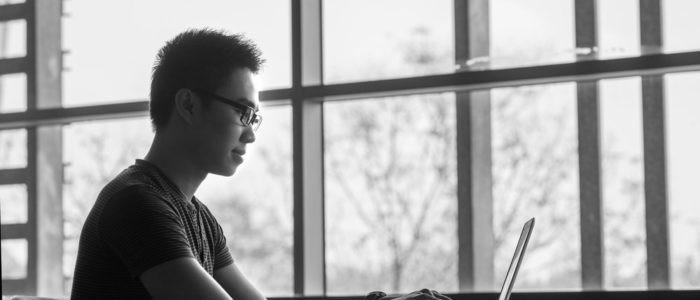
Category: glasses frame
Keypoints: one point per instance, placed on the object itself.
(249, 116)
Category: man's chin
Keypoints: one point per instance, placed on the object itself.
(227, 172)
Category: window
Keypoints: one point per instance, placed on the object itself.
(390, 174)
(94, 153)
(13, 92)
(380, 140)
(14, 258)
(14, 145)
(682, 109)
(535, 173)
(93, 31)
(254, 213)
(623, 183)
(13, 38)
(678, 17)
(254, 207)
(3, 2)
(531, 32)
(13, 203)
(361, 44)
(618, 33)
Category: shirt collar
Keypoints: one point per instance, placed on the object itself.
(164, 181)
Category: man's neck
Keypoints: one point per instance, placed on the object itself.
(173, 162)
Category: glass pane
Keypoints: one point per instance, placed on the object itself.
(115, 65)
(94, 153)
(3, 2)
(390, 190)
(13, 38)
(14, 258)
(680, 20)
(623, 183)
(529, 32)
(254, 206)
(535, 173)
(14, 145)
(370, 39)
(618, 28)
(13, 204)
(683, 146)
(13, 92)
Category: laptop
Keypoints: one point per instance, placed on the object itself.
(510, 276)
(517, 259)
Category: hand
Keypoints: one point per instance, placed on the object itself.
(424, 294)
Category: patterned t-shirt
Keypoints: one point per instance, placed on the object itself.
(140, 220)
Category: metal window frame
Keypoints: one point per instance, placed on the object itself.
(655, 64)
(13, 65)
(589, 153)
(43, 174)
(655, 171)
(308, 92)
(14, 11)
(307, 143)
(13, 176)
(474, 171)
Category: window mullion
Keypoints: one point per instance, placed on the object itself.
(474, 194)
(44, 150)
(655, 191)
(589, 149)
(307, 126)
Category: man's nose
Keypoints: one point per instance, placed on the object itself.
(248, 135)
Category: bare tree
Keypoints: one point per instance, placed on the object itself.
(389, 161)
(372, 164)
(393, 185)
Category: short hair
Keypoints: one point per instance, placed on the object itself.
(197, 58)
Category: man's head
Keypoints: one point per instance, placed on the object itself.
(204, 98)
(201, 59)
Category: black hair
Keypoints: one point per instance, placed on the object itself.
(197, 58)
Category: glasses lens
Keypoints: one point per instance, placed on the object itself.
(251, 119)
(246, 117)
(256, 122)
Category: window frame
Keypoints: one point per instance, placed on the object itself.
(44, 118)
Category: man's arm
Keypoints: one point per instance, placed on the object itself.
(236, 284)
(181, 278)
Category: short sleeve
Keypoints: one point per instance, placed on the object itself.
(222, 254)
(143, 230)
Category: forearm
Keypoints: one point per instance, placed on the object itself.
(236, 284)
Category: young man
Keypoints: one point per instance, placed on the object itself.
(147, 236)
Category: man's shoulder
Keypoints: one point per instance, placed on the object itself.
(131, 178)
(132, 200)
(131, 183)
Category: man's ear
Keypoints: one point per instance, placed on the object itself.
(184, 104)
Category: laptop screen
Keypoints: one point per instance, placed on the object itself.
(517, 259)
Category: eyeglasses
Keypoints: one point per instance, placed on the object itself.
(248, 115)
